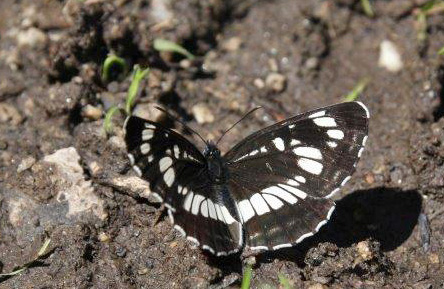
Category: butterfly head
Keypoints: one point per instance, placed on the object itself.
(211, 151)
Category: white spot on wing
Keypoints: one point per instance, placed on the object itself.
(150, 126)
(188, 201)
(364, 140)
(360, 152)
(281, 193)
(168, 177)
(345, 180)
(259, 205)
(219, 213)
(212, 209)
(282, 246)
(291, 126)
(335, 133)
(303, 237)
(332, 144)
(131, 159)
(255, 152)
(246, 210)
(292, 183)
(308, 152)
(176, 151)
(272, 201)
(259, 248)
(137, 170)
(367, 112)
(145, 148)
(165, 163)
(263, 149)
(204, 208)
(194, 240)
(295, 142)
(180, 230)
(332, 193)
(208, 248)
(317, 114)
(147, 134)
(196, 204)
(300, 179)
(279, 143)
(298, 193)
(325, 122)
(310, 166)
(227, 216)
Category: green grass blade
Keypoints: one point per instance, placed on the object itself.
(284, 282)
(138, 76)
(441, 51)
(357, 90)
(367, 7)
(110, 61)
(107, 123)
(246, 280)
(166, 45)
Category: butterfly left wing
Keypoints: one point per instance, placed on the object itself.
(283, 176)
(177, 175)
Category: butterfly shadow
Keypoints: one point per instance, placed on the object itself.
(387, 215)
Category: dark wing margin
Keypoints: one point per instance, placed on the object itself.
(177, 175)
(283, 176)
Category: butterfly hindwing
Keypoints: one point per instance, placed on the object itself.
(283, 176)
(177, 175)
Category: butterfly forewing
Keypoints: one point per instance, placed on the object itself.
(283, 176)
(177, 174)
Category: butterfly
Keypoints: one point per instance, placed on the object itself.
(271, 190)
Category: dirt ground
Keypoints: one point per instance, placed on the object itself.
(63, 178)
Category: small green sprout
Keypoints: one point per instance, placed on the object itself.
(367, 7)
(166, 45)
(429, 8)
(138, 76)
(110, 62)
(41, 253)
(107, 123)
(246, 280)
(441, 51)
(284, 282)
(357, 90)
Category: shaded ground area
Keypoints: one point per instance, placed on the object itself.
(62, 177)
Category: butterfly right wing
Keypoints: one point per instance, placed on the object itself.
(177, 175)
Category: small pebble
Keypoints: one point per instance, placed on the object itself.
(32, 37)
(25, 164)
(276, 82)
(312, 63)
(259, 83)
(121, 252)
(389, 57)
(202, 113)
(434, 258)
(103, 237)
(364, 250)
(94, 168)
(232, 44)
(92, 112)
(117, 142)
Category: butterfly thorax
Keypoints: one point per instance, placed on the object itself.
(215, 163)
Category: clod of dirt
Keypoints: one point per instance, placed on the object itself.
(389, 57)
(92, 112)
(74, 189)
(276, 82)
(232, 44)
(8, 113)
(202, 113)
(25, 164)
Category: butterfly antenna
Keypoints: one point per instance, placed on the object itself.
(181, 122)
(242, 118)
